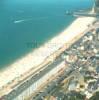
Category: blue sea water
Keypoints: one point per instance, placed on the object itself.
(27, 24)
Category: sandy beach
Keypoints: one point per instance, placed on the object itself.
(37, 56)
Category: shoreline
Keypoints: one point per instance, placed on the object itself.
(37, 56)
(31, 45)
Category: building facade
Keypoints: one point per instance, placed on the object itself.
(96, 8)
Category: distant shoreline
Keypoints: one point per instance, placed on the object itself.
(38, 56)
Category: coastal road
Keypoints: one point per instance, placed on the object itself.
(27, 83)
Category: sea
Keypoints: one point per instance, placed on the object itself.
(27, 24)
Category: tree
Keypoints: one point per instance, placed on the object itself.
(95, 96)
